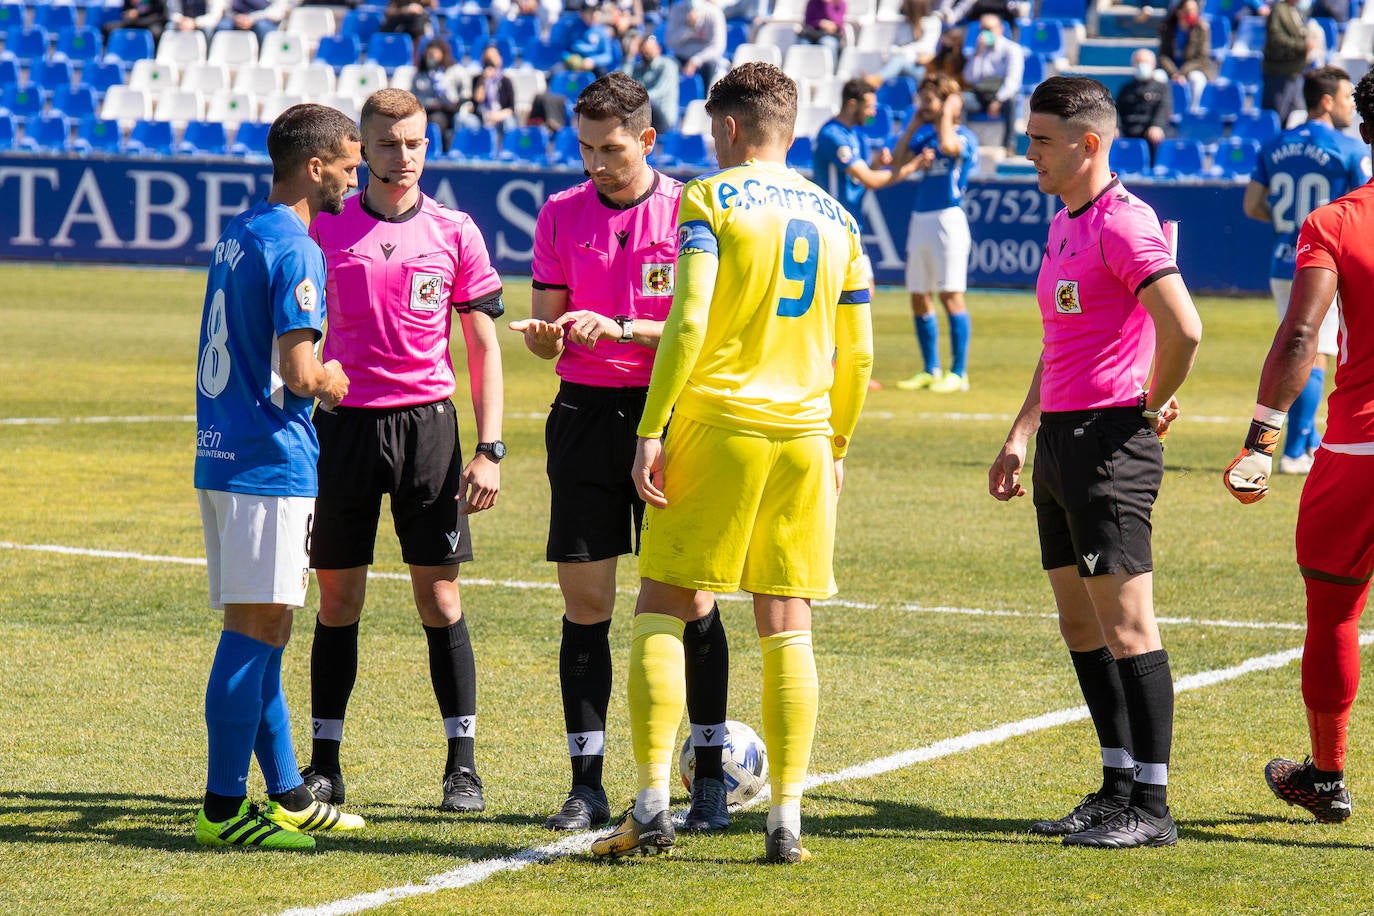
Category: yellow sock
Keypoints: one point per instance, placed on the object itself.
(658, 693)
(790, 696)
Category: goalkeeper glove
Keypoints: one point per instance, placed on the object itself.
(1247, 477)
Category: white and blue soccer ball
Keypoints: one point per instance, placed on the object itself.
(744, 762)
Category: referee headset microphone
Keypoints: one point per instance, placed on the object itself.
(373, 172)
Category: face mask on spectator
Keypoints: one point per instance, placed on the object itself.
(1144, 72)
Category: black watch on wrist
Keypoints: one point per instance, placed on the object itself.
(494, 450)
(627, 328)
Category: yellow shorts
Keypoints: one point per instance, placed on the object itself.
(745, 512)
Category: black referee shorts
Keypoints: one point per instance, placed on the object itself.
(409, 453)
(1096, 476)
(594, 509)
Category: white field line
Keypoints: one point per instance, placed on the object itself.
(475, 872)
(553, 586)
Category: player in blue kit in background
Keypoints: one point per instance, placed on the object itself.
(938, 239)
(256, 379)
(1297, 172)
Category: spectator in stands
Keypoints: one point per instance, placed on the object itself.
(408, 16)
(1338, 10)
(140, 14)
(623, 15)
(434, 88)
(185, 15)
(1185, 49)
(968, 11)
(1144, 104)
(1286, 46)
(588, 43)
(261, 17)
(823, 24)
(546, 11)
(993, 74)
(493, 95)
(696, 37)
(914, 45)
(657, 73)
(949, 55)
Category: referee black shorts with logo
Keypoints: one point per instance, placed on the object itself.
(594, 510)
(410, 453)
(1096, 476)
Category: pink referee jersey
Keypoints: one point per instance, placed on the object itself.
(1337, 237)
(612, 260)
(390, 285)
(1099, 340)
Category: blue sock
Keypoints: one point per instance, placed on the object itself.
(1302, 416)
(1317, 381)
(276, 753)
(927, 338)
(233, 706)
(960, 329)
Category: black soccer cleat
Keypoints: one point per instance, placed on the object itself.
(1296, 784)
(326, 787)
(1127, 829)
(783, 847)
(463, 791)
(1095, 808)
(708, 813)
(584, 808)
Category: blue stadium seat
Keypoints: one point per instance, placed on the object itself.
(689, 89)
(28, 44)
(129, 45)
(94, 135)
(51, 74)
(1179, 158)
(1223, 100)
(539, 54)
(80, 46)
(687, 150)
(24, 102)
(527, 145)
(390, 50)
(1130, 156)
(736, 34)
(880, 126)
(48, 134)
(54, 16)
(520, 31)
(98, 13)
(1072, 11)
(1332, 30)
(338, 51)
(471, 29)
(251, 140)
(1219, 27)
(509, 50)
(1243, 70)
(476, 144)
(1249, 34)
(12, 16)
(1037, 67)
(1263, 126)
(9, 71)
(1182, 103)
(561, 29)
(8, 131)
(435, 136)
(75, 103)
(101, 75)
(1043, 36)
(1235, 157)
(570, 83)
(362, 23)
(1205, 127)
(151, 138)
(897, 93)
(566, 148)
(799, 154)
(204, 138)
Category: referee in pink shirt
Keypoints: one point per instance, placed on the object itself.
(1120, 333)
(605, 256)
(400, 265)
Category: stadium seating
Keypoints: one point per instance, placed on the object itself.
(473, 144)
(361, 80)
(1045, 37)
(101, 75)
(250, 140)
(1243, 70)
(1358, 40)
(278, 102)
(79, 45)
(9, 71)
(204, 138)
(736, 34)
(1182, 102)
(520, 31)
(689, 88)
(527, 145)
(788, 11)
(314, 81)
(28, 44)
(1249, 36)
(854, 62)
(1071, 11)
(12, 16)
(694, 119)
(48, 134)
(897, 93)
(362, 23)
(799, 154)
(338, 51)
(350, 105)
(567, 151)
(232, 108)
(206, 78)
(152, 76)
(54, 16)
(150, 138)
(806, 61)
(472, 29)
(234, 49)
(390, 50)
(1179, 158)
(180, 107)
(880, 127)
(1223, 100)
(1219, 27)
(781, 35)
(9, 131)
(570, 83)
(1262, 126)
(128, 45)
(126, 105)
(96, 135)
(311, 23)
(261, 80)
(1130, 156)
(50, 74)
(1235, 157)
(688, 150)
(74, 103)
(537, 54)
(23, 102)
(765, 54)
(1204, 127)
(285, 50)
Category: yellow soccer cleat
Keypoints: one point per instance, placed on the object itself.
(631, 836)
(950, 383)
(317, 817)
(249, 829)
(918, 381)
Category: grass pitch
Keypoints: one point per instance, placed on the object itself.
(943, 628)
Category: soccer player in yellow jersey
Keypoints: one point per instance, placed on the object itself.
(742, 492)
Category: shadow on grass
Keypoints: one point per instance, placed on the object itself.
(168, 823)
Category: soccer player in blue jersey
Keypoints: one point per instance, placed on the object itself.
(1297, 172)
(839, 160)
(256, 379)
(938, 239)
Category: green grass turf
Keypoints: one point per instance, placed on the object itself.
(104, 659)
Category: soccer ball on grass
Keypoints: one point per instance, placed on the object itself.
(744, 761)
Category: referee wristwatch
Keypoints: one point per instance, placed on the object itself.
(627, 328)
(493, 450)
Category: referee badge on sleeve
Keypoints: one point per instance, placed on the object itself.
(426, 292)
(656, 279)
(1066, 298)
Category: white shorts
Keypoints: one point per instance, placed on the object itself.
(1326, 334)
(257, 548)
(937, 249)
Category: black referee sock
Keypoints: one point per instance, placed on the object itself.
(453, 672)
(584, 674)
(707, 654)
(1149, 688)
(333, 671)
(1100, 681)
(222, 807)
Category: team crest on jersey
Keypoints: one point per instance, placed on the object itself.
(844, 154)
(307, 295)
(1066, 298)
(657, 279)
(426, 292)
